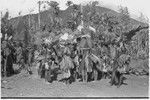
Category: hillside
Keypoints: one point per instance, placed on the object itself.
(18, 25)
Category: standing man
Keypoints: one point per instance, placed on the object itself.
(5, 53)
(22, 58)
(27, 59)
(19, 55)
(117, 77)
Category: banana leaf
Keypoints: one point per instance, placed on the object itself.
(76, 60)
(124, 57)
(113, 52)
(94, 58)
(7, 51)
(40, 57)
(46, 65)
(66, 63)
(67, 50)
(66, 31)
(97, 60)
(66, 74)
(104, 68)
(4, 45)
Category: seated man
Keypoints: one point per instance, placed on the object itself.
(51, 71)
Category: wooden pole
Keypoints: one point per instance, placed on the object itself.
(0, 22)
(81, 15)
(29, 28)
(39, 13)
(29, 21)
(0, 35)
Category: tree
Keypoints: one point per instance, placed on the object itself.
(141, 39)
(26, 34)
(89, 11)
(54, 5)
(69, 3)
(75, 16)
(57, 21)
(7, 28)
(124, 20)
(95, 3)
(124, 16)
(143, 19)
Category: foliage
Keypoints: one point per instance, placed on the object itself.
(85, 43)
(56, 20)
(66, 63)
(6, 26)
(124, 15)
(89, 10)
(69, 3)
(143, 18)
(141, 39)
(123, 59)
(54, 5)
(111, 28)
(75, 17)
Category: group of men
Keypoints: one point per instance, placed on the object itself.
(74, 60)
(77, 61)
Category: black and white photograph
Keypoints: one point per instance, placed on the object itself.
(74, 49)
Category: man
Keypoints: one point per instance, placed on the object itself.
(85, 46)
(19, 55)
(117, 77)
(66, 65)
(30, 56)
(51, 71)
(10, 60)
(27, 54)
(7, 53)
(22, 59)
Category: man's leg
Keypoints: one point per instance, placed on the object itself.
(120, 80)
(27, 68)
(21, 66)
(114, 78)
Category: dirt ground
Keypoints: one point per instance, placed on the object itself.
(24, 85)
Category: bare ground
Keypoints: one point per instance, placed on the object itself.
(24, 85)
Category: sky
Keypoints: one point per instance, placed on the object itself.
(30, 6)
